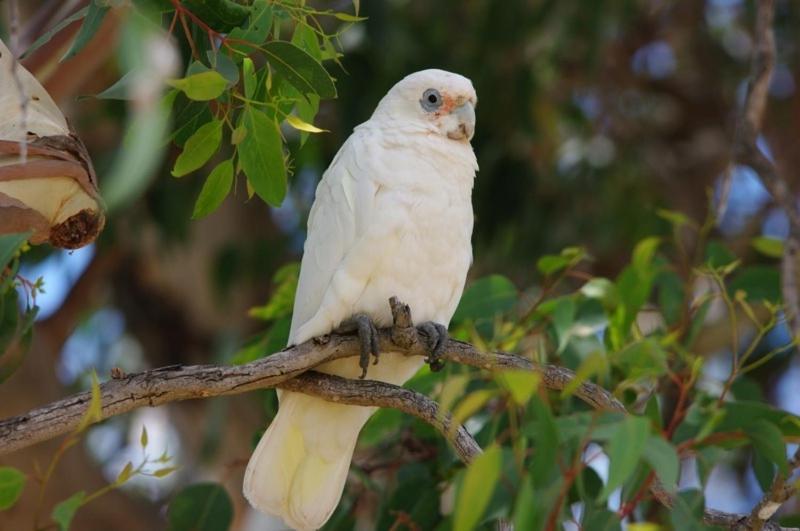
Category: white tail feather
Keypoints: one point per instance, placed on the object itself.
(299, 467)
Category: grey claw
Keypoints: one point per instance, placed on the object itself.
(437, 338)
(367, 336)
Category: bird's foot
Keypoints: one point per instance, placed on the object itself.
(437, 338)
(367, 336)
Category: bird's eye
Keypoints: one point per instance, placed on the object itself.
(431, 100)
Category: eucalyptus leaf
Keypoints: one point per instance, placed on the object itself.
(94, 17)
(215, 190)
(300, 69)
(261, 156)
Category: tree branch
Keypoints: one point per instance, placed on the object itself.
(174, 383)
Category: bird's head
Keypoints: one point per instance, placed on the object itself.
(439, 101)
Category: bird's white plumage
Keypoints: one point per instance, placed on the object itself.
(392, 217)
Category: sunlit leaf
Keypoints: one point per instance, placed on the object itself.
(216, 188)
(94, 413)
(347, 17)
(201, 87)
(476, 489)
(249, 75)
(470, 405)
(164, 472)
(300, 125)
(772, 247)
(520, 384)
(282, 300)
(200, 147)
(125, 474)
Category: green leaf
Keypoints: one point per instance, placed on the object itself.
(476, 489)
(545, 444)
(768, 441)
(9, 245)
(624, 450)
(676, 218)
(12, 481)
(524, 506)
(125, 474)
(16, 332)
(644, 252)
(687, 514)
(45, 38)
(471, 404)
(94, 413)
(164, 472)
(201, 87)
(282, 300)
(200, 147)
(200, 507)
(553, 263)
(485, 298)
(64, 512)
(143, 439)
(249, 74)
(300, 69)
(256, 30)
(758, 282)
(223, 64)
(663, 459)
(94, 17)
(301, 125)
(600, 519)
(772, 247)
(347, 17)
(220, 15)
(520, 384)
(261, 156)
(120, 90)
(215, 190)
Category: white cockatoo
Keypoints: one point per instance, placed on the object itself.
(392, 217)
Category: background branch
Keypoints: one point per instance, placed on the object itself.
(747, 152)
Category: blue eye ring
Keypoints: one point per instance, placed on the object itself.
(431, 100)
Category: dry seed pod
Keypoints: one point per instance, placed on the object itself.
(53, 191)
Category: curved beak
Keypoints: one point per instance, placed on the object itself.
(465, 117)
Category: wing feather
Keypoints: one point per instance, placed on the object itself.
(335, 225)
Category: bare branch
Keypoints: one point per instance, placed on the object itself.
(170, 384)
